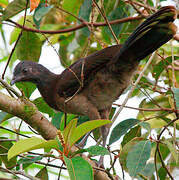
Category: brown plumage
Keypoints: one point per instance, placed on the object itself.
(106, 73)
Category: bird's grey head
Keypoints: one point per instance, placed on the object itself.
(26, 71)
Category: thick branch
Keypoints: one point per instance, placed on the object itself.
(27, 111)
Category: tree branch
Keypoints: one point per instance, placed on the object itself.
(123, 20)
(27, 111)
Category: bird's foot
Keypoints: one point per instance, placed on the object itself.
(101, 162)
(82, 143)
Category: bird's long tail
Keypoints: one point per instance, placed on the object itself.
(155, 31)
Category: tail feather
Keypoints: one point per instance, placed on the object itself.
(150, 35)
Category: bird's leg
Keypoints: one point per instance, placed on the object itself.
(104, 131)
(81, 144)
(93, 114)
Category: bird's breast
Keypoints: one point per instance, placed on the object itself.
(105, 88)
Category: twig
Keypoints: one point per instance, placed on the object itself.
(1, 127)
(18, 172)
(43, 163)
(4, 147)
(10, 88)
(8, 171)
(139, 12)
(60, 171)
(7, 140)
(143, 109)
(150, 98)
(118, 21)
(50, 165)
(143, 5)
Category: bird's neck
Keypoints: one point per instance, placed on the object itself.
(47, 87)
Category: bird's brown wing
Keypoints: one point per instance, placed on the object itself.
(79, 73)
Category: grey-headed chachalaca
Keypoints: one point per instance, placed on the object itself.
(106, 73)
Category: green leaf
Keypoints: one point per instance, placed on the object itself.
(27, 87)
(72, 7)
(78, 168)
(3, 3)
(60, 147)
(42, 174)
(146, 126)
(176, 96)
(162, 173)
(97, 150)
(32, 45)
(85, 10)
(2, 115)
(40, 12)
(32, 143)
(164, 151)
(69, 130)
(150, 2)
(138, 156)
(56, 119)
(43, 106)
(84, 13)
(84, 128)
(172, 149)
(161, 66)
(29, 159)
(117, 13)
(113, 109)
(156, 123)
(14, 8)
(67, 118)
(93, 151)
(149, 169)
(126, 149)
(16, 31)
(134, 132)
(82, 119)
(6, 117)
(121, 129)
(4, 147)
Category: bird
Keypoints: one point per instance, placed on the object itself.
(90, 85)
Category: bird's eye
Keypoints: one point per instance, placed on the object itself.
(25, 70)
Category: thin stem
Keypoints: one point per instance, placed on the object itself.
(9, 88)
(1, 127)
(143, 109)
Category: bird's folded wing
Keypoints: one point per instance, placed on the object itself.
(79, 73)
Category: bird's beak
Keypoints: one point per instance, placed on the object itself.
(14, 80)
